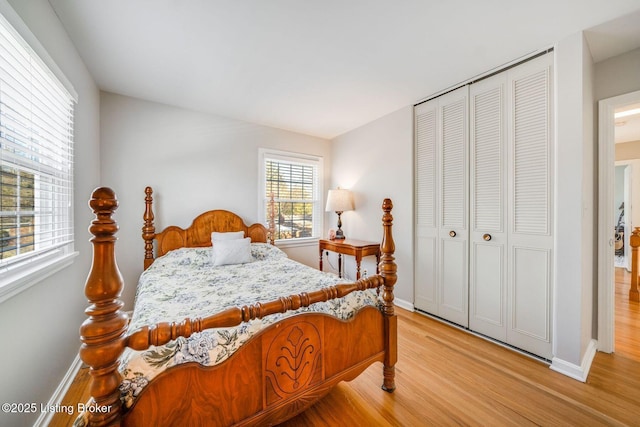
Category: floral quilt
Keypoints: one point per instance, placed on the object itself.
(185, 283)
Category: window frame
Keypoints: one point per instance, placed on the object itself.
(30, 268)
(317, 162)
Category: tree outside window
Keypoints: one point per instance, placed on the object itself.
(17, 206)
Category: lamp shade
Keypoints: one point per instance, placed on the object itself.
(339, 200)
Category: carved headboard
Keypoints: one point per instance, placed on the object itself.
(198, 234)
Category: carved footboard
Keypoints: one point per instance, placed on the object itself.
(275, 375)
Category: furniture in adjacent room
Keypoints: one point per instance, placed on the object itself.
(484, 175)
(634, 242)
(295, 354)
(356, 248)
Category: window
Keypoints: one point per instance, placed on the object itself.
(294, 182)
(36, 160)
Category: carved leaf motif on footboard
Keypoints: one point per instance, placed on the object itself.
(293, 361)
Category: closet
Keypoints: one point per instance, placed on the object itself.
(483, 200)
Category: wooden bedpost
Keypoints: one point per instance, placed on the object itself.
(388, 270)
(103, 333)
(148, 230)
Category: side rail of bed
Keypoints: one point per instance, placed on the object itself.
(162, 333)
(104, 336)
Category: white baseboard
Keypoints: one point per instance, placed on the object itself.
(576, 372)
(404, 304)
(56, 399)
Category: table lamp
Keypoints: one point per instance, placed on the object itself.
(339, 200)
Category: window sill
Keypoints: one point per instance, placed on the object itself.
(296, 243)
(22, 279)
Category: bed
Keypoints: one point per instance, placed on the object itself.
(281, 352)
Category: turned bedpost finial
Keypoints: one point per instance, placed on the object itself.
(103, 333)
(387, 266)
(148, 229)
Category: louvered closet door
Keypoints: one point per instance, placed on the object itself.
(453, 289)
(530, 232)
(426, 215)
(441, 251)
(488, 235)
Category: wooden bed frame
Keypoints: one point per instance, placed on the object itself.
(253, 386)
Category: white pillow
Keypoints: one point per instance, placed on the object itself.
(231, 235)
(226, 252)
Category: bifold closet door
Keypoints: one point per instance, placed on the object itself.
(488, 191)
(442, 196)
(427, 178)
(453, 235)
(530, 213)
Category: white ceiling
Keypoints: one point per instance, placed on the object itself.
(317, 67)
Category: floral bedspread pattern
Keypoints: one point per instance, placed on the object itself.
(185, 283)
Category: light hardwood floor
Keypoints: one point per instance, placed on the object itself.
(449, 377)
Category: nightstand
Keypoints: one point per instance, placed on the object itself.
(355, 248)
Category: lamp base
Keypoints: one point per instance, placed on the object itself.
(339, 233)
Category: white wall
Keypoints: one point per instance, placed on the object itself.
(375, 161)
(590, 204)
(40, 325)
(195, 162)
(617, 76)
(581, 83)
(574, 251)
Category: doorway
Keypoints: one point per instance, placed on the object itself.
(607, 218)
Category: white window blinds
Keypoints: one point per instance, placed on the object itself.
(36, 155)
(293, 183)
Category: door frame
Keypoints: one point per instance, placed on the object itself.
(606, 221)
